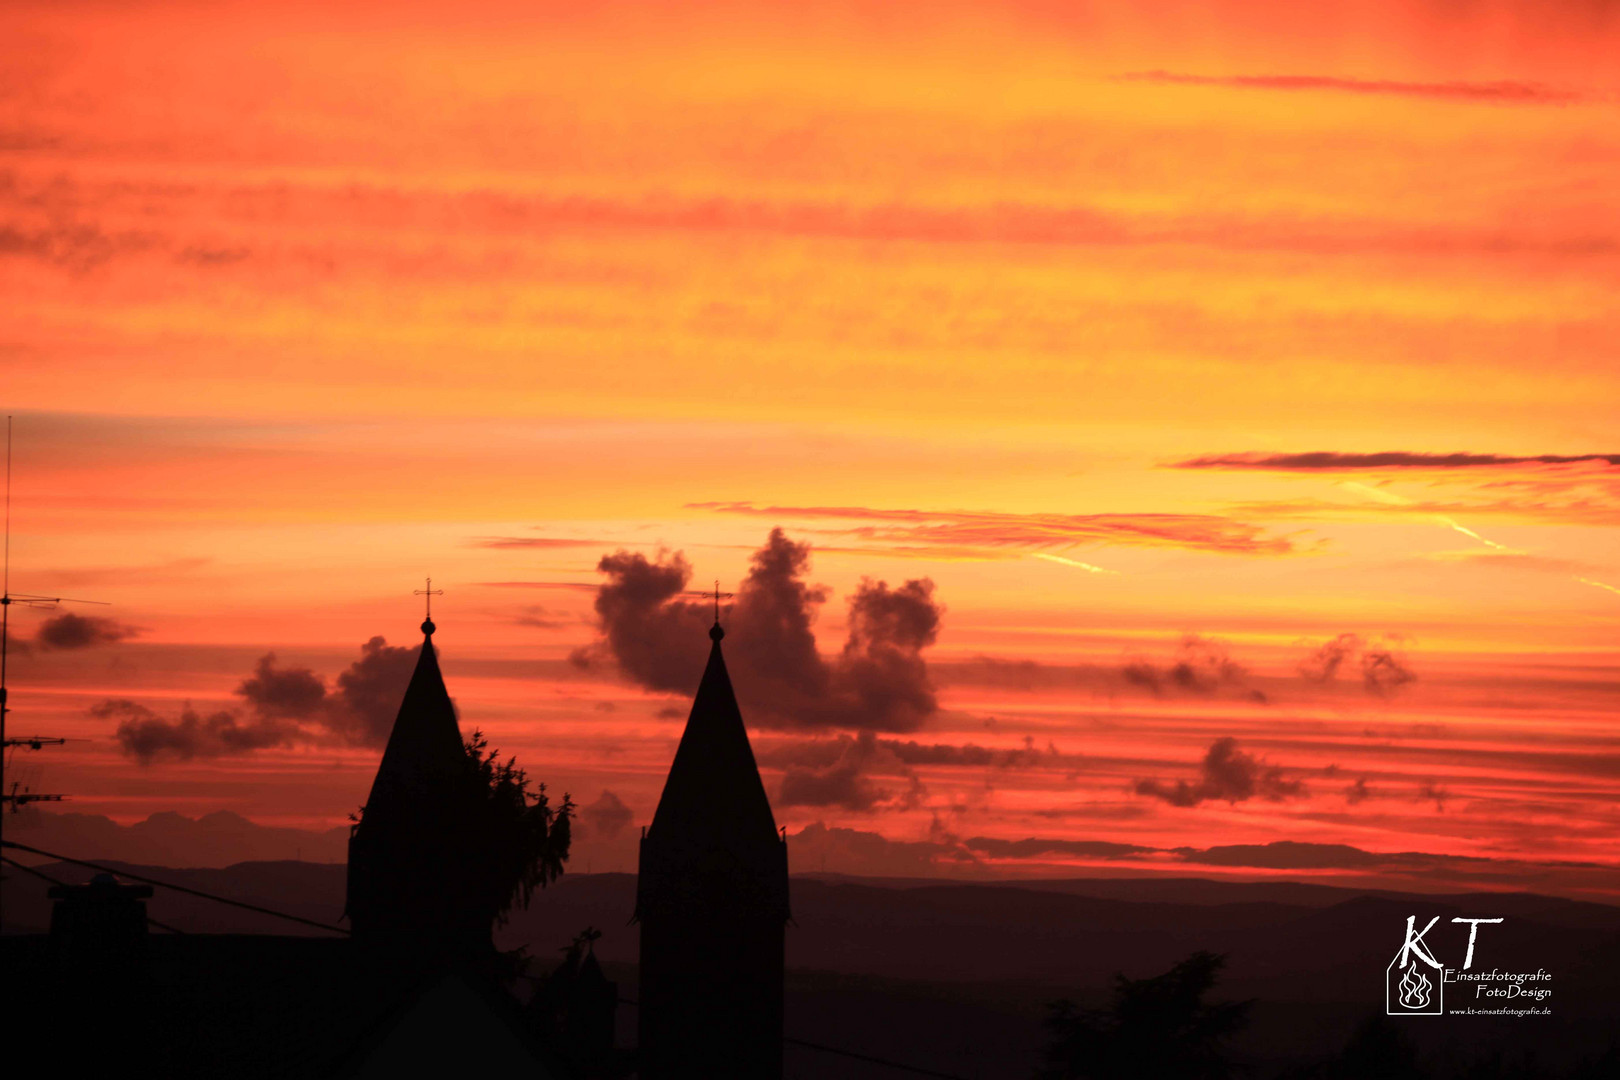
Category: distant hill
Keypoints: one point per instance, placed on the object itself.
(169, 839)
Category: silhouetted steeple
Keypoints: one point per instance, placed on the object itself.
(408, 854)
(713, 794)
(712, 900)
(425, 744)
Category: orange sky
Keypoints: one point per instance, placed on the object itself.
(303, 306)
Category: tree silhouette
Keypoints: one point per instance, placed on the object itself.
(516, 841)
(458, 849)
(1379, 1048)
(1160, 1026)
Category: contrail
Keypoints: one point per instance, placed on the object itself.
(1073, 562)
(1392, 499)
(1389, 498)
(1470, 532)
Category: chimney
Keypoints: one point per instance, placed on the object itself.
(98, 931)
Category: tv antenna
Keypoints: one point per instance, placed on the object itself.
(16, 797)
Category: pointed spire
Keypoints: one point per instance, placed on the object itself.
(714, 790)
(425, 744)
(409, 891)
(712, 900)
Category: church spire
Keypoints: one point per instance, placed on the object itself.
(713, 794)
(712, 900)
(425, 743)
(407, 854)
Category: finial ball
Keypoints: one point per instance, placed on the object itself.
(715, 633)
(428, 627)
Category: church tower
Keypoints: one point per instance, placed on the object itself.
(712, 900)
(407, 887)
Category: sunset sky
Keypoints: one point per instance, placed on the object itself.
(1239, 381)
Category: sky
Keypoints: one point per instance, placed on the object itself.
(1138, 437)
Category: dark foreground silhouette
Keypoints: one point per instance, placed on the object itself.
(956, 978)
(1160, 1026)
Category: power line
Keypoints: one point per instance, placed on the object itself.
(871, 1059)
(25, 868)
(179, 888)
(13, 798)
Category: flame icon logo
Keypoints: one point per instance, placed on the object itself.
(1415, 989)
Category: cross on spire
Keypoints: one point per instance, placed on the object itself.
(717, 595)
(430, 592)
(715, 633)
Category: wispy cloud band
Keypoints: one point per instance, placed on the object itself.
(1506, 91)
(959, 532)
(1387, 459)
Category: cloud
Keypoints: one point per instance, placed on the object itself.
(1201, 666)
(989, 535)
(1504, 92)
(147, 737)
(845, 780)
(1431, 790)
(540, 618)
(839, 785)
(608, 816)
(820, 752)
(773, 641)
(657, 639)
(286, 692)
(1323, 664)
(70, 631)
(1022, 757)
(531, 542)
(1382, 671)
(817, 847)
(567, 586)
(840, 771)
(1573, 508)
(1033, 846)
(1509, 560)
(359, 709)
(881, 666)
(1226, 773)
(853, 851)
(1022, 675)
(287, 707)
(879, 681)
(77, 248)
(1392, 459)
(1289, 855)
(368, 694)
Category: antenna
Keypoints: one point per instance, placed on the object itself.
(15, 798)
